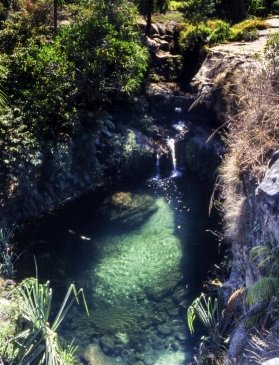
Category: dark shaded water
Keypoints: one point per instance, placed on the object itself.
(138, 282)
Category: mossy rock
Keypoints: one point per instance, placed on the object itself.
(128, 209)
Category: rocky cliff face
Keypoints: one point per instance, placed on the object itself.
(59, 171)
(229, 82)
(224, 73)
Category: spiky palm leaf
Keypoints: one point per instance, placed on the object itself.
(207, 310)
(3, 99)
(39, 344)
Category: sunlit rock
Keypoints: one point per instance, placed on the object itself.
(94, 356)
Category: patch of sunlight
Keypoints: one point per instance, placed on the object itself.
(143, 261)
(171, 358)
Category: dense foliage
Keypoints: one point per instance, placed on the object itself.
(92, 61)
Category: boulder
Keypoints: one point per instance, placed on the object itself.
(268, 197)
(274, 361)
(94, 356)
(107, 345)
(164, 330)
(179, 294)
(128, 209)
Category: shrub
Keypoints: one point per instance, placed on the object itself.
(6, 254)
(176, 5)
(220, 31)
(247, 30)
(271, 51)
(198, 10)
(194, 36)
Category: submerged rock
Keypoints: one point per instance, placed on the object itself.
(107, 344)
(128, 209)
(94, 356)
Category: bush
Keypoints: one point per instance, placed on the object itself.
(46, 90)
(210, 33)
(198, 10)
(194, 36)
(271, 51)
(220, 31)
(247, 30)
(91, 62)
(176, 5)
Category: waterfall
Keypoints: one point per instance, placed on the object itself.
(158, 175)
(171, 145)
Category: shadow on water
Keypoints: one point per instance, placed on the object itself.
(138, 282)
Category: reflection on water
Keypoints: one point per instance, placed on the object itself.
(136, 279)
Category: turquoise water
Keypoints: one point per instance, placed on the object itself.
(138, 280)
(144, 260)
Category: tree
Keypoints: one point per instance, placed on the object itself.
(147, 8)
(198, 10)
(234, 10)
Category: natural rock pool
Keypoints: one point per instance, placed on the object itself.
(141, 255)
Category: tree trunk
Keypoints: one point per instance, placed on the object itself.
(55, 15)
(149, 12)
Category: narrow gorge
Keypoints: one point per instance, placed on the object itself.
(140, 162)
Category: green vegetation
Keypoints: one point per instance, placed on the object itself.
(29, 337)
(208, 311)
(75, 70)
(212, 32)
(267, 287)
(6, 254)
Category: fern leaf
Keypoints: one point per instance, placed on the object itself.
(263, 289)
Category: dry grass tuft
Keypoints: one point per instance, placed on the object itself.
(251, 139)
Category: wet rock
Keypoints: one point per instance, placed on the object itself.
(128, 209)
(164, 330)
(149, 359)
(181, 336)
(94, 356)
(160, 318)
(179, 294)
(202, 155)
(175, 345)
(173, 312)
(107, 345)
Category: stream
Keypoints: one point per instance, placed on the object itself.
(138, 278)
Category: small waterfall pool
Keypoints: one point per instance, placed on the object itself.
(138, 280)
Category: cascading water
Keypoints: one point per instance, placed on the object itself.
(171, 145)
(158, 175)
